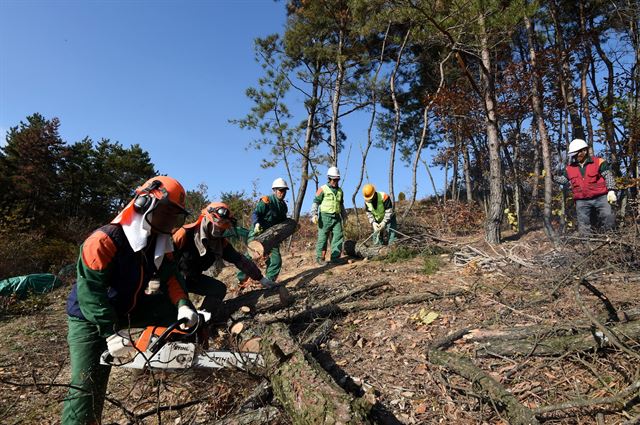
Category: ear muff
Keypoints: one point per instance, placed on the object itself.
(143, 199)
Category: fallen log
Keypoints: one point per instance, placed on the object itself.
(305, 390)
(259, 301)
(516, 413)
(320, 334)
(262, 244)
(258, 397)
(345, 308)
(360, 250)
(619, 401)
(557, 345)
(263, 415)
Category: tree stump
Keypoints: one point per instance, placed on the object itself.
(262, 244)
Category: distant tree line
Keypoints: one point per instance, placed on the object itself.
(47, 181)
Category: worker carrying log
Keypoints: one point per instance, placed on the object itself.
(200, 244)
(269, 211)
(329, 200)
(593, 186)
(380, 213)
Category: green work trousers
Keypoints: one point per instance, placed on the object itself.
(378, 239)
(85, 400)
(329, 223)
(273, 263)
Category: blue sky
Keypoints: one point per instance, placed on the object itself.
(166, 75)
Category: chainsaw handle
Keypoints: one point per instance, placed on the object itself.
(162, 340)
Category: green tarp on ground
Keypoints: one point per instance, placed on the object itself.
(32, 283)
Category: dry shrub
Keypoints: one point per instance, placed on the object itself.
(32, 252)
(452, 218)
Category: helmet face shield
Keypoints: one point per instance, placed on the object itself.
(165, 217)
(220, 218)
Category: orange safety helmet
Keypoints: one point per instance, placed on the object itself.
(219, 214)
(368, 191)
(165, 189)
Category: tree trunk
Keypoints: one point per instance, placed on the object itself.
(423, 137)
(335, 103)
(396, 112)
(494, 217)
(312, 104)
(466, 162)
(566, 86)
(262, 244)
(374, 103)
(306, 392)
(607, 109)
(538, 110)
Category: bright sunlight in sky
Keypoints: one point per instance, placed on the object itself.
(166, 75)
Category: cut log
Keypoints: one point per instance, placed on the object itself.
(237, 328)
(360, 250)
(251, 345)
(345, 308)
(305, 390)
(557, 345)
(262, 244)
(516, 413)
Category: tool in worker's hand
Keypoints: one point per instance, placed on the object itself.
(172, 349)
(402, 234)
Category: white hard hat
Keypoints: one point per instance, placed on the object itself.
(333, 173)
(279, 183)
(577, 145)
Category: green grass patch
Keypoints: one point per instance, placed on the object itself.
(431, 264)
(12, 306)
(401, 253)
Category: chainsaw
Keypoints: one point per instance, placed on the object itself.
(170, 348)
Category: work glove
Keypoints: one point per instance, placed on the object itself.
(267, 283)
(376, 227)
(314, 219)
(611, 197)
(257, 229)
(121, 347)
(186, 312)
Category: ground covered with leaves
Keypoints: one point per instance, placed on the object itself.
(529, 327)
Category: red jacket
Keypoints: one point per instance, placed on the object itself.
(590, 185)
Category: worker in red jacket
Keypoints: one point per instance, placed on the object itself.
(593, 187)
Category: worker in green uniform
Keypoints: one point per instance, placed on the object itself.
(329, 201)
(269, 211)
(114, 290)
(380, 214)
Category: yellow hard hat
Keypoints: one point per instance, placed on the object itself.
(368, 191)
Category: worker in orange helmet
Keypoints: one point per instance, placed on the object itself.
(380, 212)
(200, 244)
(117, 264)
